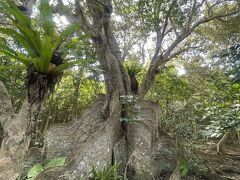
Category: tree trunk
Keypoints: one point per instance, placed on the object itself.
(148, 80)
(144, 153)
(76, 84)
(39, 86)
(21, 131)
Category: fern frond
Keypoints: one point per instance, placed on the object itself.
(47, 53)
(6, 68)
(65, 33)
(47, 18)
(13, 13)
(21, 39)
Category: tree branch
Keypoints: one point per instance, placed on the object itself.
(195, 7)
(158, 45)
(167, 56)
(83, 19)
(161, 32)
(180, 51)
(205, 20)
(186, 32)
(63, 10)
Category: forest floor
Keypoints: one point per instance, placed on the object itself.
(221, 166)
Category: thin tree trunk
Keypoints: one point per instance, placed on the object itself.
(76, 84)
(149, 78)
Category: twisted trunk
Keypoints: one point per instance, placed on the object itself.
(92, 141)
(100, 141)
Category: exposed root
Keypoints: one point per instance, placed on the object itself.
(176, 174)
(238, 136)
(229, 169)
(222, 146)
(222, 142)
(228, 172)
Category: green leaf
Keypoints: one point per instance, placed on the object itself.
(21, 39)
(70, 64)
(65, 33)
(184, 172)
(29, 37)
(133, 68)
(2, 68)
(25, 59)
(34, 171)
(56, 162)
(11, 9)
(4, 47)
(47, 18)
(18, 56)
(46, 54)
(184, 168)
(3, 76)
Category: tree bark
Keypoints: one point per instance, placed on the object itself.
(145, 153)
(107, 49)
(76, 84)
(153, 70)
(14, 144)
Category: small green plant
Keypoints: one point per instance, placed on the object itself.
(109, 173)
(191, 163)
(34, 171)
(133, 68)
(38, 168)
(55, 162)
(184, 167)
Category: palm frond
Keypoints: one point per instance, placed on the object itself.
(13, 13)
(27, 60)
(6, 68)
(9, 50)
(29, 37)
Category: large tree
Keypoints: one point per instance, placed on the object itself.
(172, 23)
